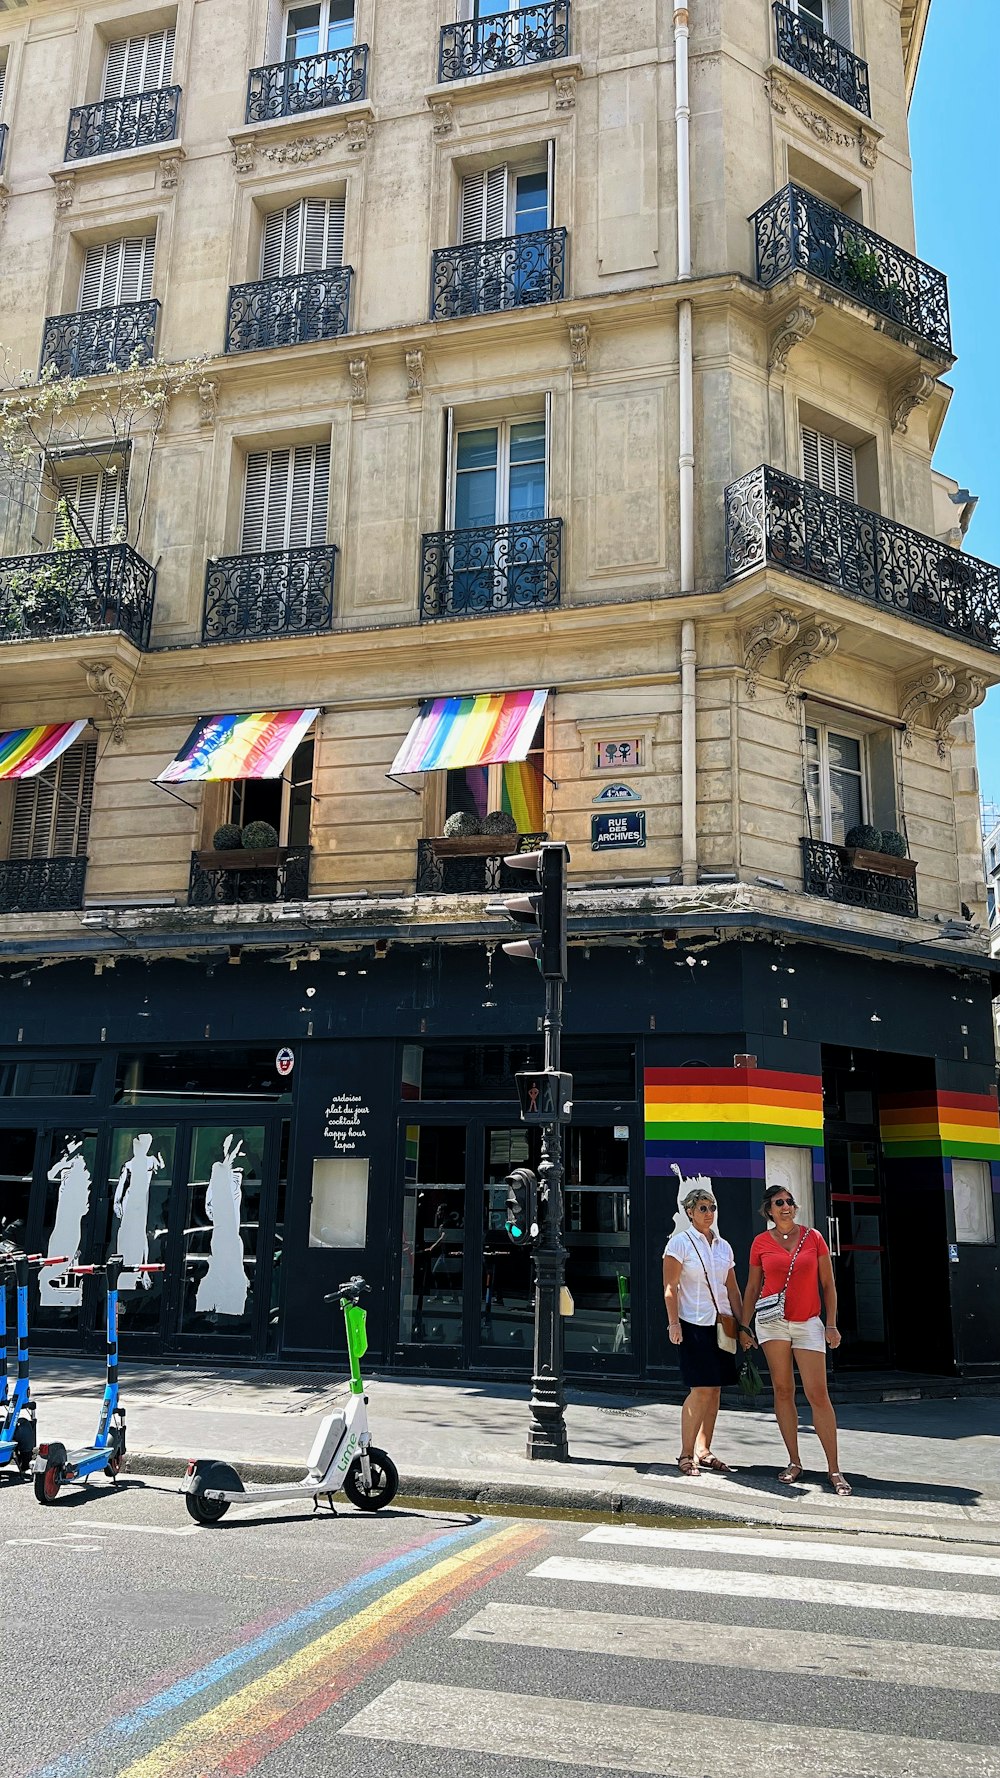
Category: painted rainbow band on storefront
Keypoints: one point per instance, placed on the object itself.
(940, 1125)
(718, 1120)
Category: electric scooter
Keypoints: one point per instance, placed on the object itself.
(54, 1465)
(342, 1456)
(17, 1410)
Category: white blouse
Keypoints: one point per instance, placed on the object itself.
(694, 1303)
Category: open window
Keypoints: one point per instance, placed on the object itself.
(850, 775)
(312, 30)
(830, 16)
(285, 802)
(515, 788)
(505, 200)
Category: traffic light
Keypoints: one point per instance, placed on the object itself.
(545, 909)
(522, 1207)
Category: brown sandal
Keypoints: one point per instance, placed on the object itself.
(839, 1483)
(790, 1474)
(714, 1464)
(688, 1466)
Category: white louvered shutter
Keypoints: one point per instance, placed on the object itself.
(484, 205)
(138, 64)
(99, 503)
(51, 817)
(285, 499)
(838, 21)
(118, 272)
(307, 237)
(3, 76)
(828, 463)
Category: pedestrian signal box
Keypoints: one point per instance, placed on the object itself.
(546, 1097)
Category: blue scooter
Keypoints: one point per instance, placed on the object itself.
(17, 1410)
(54, 1465)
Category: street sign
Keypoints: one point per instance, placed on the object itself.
(624, 829)
(284, 1062)
(546, 1097)
(617, 793)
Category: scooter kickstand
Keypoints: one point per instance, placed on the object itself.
(329, 1501)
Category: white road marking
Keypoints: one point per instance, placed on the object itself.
(729, 1645)
(628, 1738)
(865, 1555)
(789, 1589)
(140, 1530)
(68, 1541)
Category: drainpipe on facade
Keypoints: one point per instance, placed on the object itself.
(685, 385)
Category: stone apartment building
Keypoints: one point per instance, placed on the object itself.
(553, 439)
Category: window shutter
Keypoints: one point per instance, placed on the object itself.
(94, 272)
(322, 235)
(114, 69)
(138, 64)
(99, 503)
(22, 827)
(828, 463)
(51, 816)
(254, 498)
(3, 76)
(285, 499)
(136, 281)
(276, 508)
(273, 245)
(320, 495)
(473, 208)
(118, 272)
(839, 21)
(810, 455)
(845, 471)
(496, 203)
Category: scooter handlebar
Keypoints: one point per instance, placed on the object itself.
(158, 1268)
(39, 1260)
(350, 1291)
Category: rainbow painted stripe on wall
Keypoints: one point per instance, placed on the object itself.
(936, 1125)
(718, 1120)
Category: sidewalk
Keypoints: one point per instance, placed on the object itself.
(928, 1468)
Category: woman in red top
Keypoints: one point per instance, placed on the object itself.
(796, 1260)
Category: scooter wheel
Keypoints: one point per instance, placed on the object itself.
(385, 1481)
(207, 1512)
(115, 1466)
(46, 1485)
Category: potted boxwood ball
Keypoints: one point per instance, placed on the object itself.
(260, 836)
(463, 837)
(228, 837)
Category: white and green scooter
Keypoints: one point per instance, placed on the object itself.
(342, 1456)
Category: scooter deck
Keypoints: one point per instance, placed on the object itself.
(306, 1489)
(88, 1454)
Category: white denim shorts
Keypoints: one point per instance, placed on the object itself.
(804, 1336)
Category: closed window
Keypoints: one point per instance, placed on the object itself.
(51, 817)
(92, 508)
(138, 64)
(118, 272)
(836, 783)
(499, 473)
(307, 237)
(829, 463)
(503, 201)
(972, 1189)
(285, 499)
(309, 30)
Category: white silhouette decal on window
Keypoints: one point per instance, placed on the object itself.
(131, 1206)
(73, 1177)
(223, 1289)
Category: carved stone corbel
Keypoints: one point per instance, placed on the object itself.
(565, 85)
(867, 146)
(208, 403)
(358, 372)
(968, 692)
(414, 375)
(65, 192)
(796, 326)
(776, 630)
(916, 389)
(245, 154)
(579, 346)
(814, 643)
(442, 117)
(359, 135)
(170, 169)
(934, 683)
(104, 682)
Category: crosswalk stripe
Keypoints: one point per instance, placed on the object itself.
(630, 1738)
(788, 1589)
(762, 1548)
(788, 1652)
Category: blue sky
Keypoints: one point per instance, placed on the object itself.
(955, 145)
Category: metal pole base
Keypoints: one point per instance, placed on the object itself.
(547, 1440)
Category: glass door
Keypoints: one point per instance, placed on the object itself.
(857, 1230)
(217, 1265)
(66, 1213)
(433, 1269)
(140, 1174)
(507, 1292)
(599, 1335)
(17, 1167)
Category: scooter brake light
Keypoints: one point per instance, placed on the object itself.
(190, 1467)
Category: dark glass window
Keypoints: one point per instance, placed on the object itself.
(181, 1075)
(51, 1079)
(600, 1070)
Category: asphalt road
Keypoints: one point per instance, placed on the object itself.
(139, 1645)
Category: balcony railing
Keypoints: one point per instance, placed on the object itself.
(827, 871)
(71, 592)
(91, 342)
(490, 569)
(803, 46)
(514, 272)
(281, 875)
(474, 873)
(505, 40)
(282, 592)
(795, 231)
(775, 518)
(114, 125)
(308, 83)
(41, 885)
(289, 311)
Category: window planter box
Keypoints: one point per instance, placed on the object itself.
(241, 859)
(475, 845)
(883, 863)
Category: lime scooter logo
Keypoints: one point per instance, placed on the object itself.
(349, 1450)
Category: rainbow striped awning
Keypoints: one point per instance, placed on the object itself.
(479, 729)
(256, 745)
(24, 752)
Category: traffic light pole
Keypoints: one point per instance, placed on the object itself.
(547, 1426)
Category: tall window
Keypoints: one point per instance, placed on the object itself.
(831, 16)
(285, 499)
(829, 463)
(499, 473)
(285, 802)
(501, 201)
(92, 508)
(51, 817)
(307, 237)
(309, 30)
(515, 788)
(118, 272)
(836, 782)
(138, 64)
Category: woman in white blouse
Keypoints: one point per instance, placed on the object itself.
(699, 1280)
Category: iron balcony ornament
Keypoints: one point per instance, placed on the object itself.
(114, 125)
(281, 592)
(513, 272)
(504, 40)
(228, 885)
(826, 871)
(71, 592)
(91, 342)
(778, 519)
(41, 885)
(803, 46)
(491, 568)
(308, 83)
(472, 875)
(795, 231)
(289, 311)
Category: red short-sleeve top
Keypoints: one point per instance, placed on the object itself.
(802, 1301)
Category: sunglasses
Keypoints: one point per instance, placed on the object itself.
(706, 1206)
(783, 1204)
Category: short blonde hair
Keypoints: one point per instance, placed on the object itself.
(696, 1197)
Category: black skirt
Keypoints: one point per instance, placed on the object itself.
(703, 1364)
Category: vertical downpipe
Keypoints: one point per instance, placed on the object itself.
(685, 386)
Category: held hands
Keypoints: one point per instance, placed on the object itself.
(676, 1333)
(746, 1339)
(833, 1338)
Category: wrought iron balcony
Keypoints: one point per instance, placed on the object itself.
(490, 569)
(282, 592)
(803, 46)
(307, 83)
(289, 311)
(41, 885)
(777, 519)
(281, 875)
(827, 871)
(795, 231)
(505, 40)
(514, 272)
(72, 592)
(114, 125)
(440, 872)
(91, 342)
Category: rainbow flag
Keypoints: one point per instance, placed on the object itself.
(257, 745)
(479, 729)
(955, 1126)
(24, 752)
(717, 1120)
(522, 795)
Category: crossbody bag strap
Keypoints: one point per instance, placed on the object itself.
(708, 1280)
(795, 1255)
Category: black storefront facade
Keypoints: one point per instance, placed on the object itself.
(267, 1130)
